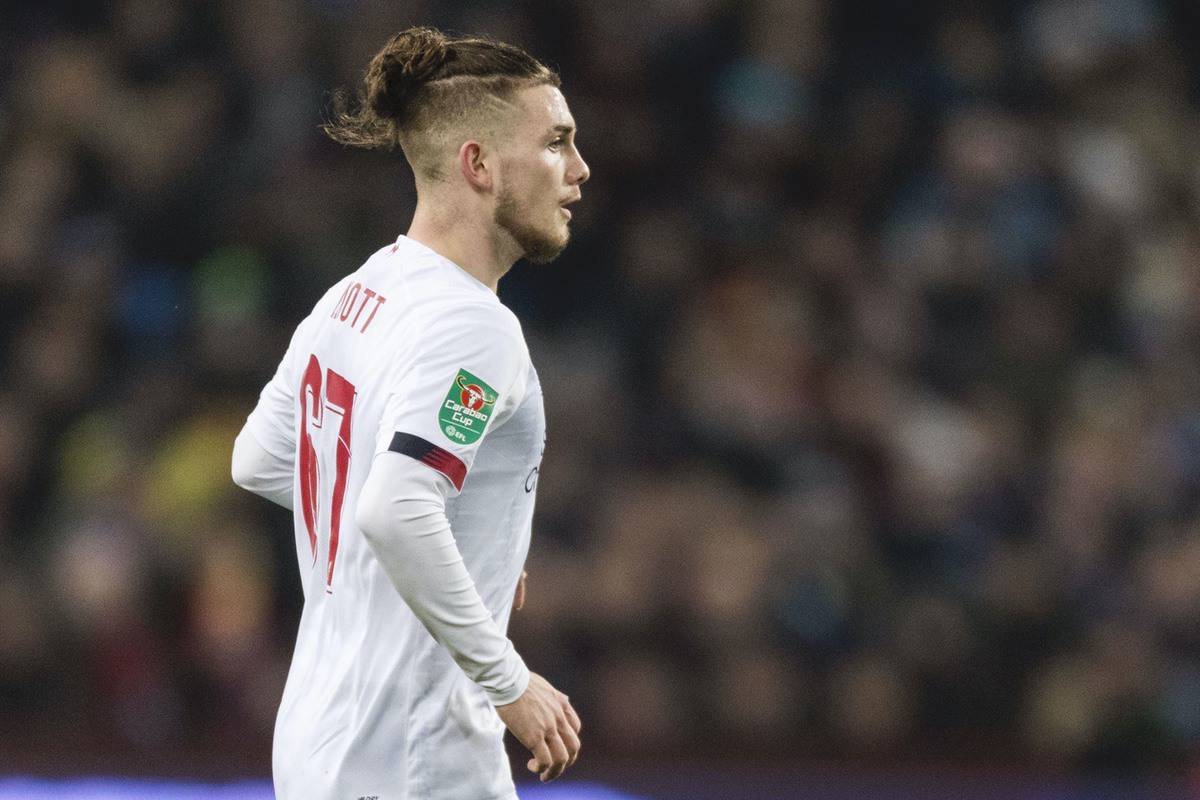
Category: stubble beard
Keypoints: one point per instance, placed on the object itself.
(538, 246)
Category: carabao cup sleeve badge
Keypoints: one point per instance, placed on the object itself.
(467, 408)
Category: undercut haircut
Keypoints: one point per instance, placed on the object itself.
(424, 89)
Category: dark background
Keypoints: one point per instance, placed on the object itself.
(871, 375)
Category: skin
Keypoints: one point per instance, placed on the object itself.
(506, 190)
(504, 198)
(519, 597)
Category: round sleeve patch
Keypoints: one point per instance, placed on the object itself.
(468, 406)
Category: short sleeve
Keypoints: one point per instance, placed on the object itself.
(466, 376)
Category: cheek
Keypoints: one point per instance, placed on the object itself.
(536, 182)
(549, 173)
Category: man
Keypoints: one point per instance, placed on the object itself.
(402, 426)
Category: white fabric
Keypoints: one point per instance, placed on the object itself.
(402, 512)
(257, 470)
(374, 706)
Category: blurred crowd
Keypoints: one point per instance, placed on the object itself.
(872, 373)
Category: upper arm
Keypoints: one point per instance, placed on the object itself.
(466, 376)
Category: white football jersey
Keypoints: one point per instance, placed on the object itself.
(410, 354)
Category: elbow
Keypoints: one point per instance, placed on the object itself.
(242, 467)
(371, 511)
(368, 518)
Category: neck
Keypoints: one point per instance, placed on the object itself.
(470, 240)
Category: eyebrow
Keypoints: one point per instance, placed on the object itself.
(566, 130)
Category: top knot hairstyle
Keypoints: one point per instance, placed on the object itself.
(423, 84)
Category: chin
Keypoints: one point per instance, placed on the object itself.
(539, 244)
(545, 249)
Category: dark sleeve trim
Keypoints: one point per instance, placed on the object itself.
(430, 455)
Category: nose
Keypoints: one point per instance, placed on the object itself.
(580, 171)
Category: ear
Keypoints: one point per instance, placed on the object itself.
(475, 166)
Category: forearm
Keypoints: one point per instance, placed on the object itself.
(261, 472)
(401, 512)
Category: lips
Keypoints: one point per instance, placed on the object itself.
(563, 205)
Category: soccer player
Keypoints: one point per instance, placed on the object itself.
(405, 428)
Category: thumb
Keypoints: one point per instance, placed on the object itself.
(533, 765)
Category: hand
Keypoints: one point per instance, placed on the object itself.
(543, 720)
(519, 597)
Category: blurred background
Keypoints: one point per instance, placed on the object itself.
(872, 378)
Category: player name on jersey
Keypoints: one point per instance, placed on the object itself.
(345, 305)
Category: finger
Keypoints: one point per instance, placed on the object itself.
(542, 759)
(559, 752)
(572, 717)
(519, 599)
(570, 739)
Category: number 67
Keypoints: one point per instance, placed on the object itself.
(338, 397)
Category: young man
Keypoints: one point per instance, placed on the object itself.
(402, 426)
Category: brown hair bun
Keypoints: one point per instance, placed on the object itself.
(422, 78)
(406, 63)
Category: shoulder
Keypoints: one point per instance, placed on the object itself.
(479, 338)
(476, 319)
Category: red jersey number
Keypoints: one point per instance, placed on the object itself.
(317, 396)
